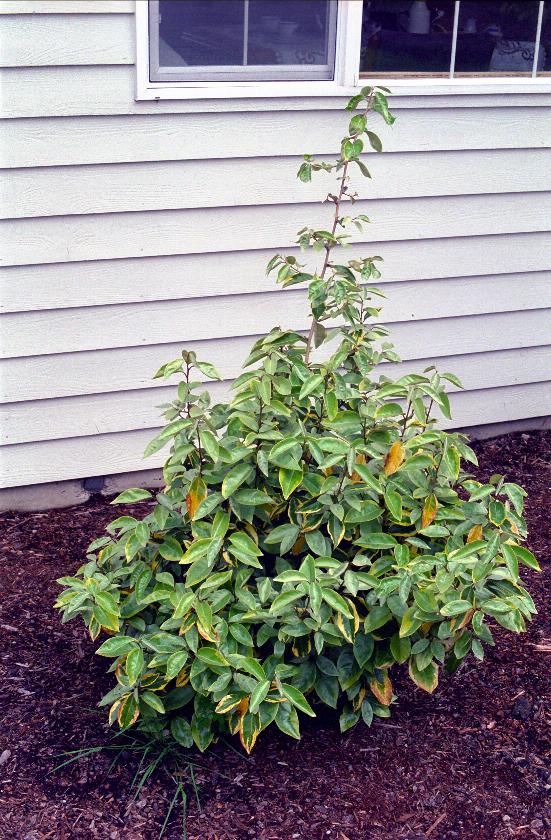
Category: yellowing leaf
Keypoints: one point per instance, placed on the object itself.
(474, 534)
(394, 458)
(356, 477)
(427, 679)
(381, 689)
(196, 494)
(429, 510)
(298, 546)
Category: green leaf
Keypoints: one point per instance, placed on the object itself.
(211, 657)
(286, 719)
(526, 557)
(377, 617)
(116, 646)
(128, 497)
(393, 501)
(400, 648)
(235, 478)
(286, 535)
(283, 600)
(455, 608)
(170, 549)
(363, 648)
(367, 713)
(208, 369)
(297, 698)
(252, 498)
(336, 601)
(209, 443)
(317, 543)
(134, 664)
(154, 701)
(312, 384)
(289, 480)
(258, 695)
(376, 540)
(181, 732)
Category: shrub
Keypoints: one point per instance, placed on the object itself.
(314, 532)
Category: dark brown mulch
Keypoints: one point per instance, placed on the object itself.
(470, 762)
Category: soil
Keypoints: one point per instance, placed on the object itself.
(471, 761)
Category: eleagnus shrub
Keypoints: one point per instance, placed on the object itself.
(314, 532)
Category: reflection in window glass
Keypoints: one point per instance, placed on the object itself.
(496, 37)
(545, 41)
(229, 36)
(399, 36)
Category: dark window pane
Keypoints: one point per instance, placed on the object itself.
(544, 63)
(195, 33)
(288, 32)
(235, 34)
(496, 37)
(399, 36)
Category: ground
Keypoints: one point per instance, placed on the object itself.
(470, 762)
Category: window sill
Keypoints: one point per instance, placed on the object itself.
(400, 87)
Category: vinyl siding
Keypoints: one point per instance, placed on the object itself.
(130, 229)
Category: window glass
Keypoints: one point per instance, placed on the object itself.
(399, 36)
(226, 39)
(496, 37)
(544, 64)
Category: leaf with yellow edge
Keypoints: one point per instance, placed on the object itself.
(429, 510)
(382, 689)
(427, 679)
(249, 727)
(229, 702)
(394, 458)
(356, 616)
(197, 493)
(182, 678)
(474, 534)
(342, 628)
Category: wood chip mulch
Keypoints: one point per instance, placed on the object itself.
(473, 761)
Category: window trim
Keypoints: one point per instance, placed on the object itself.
(347, 76)
(258, 73)
(347, 60)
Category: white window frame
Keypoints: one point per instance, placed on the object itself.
(347, 75)
(347, 58)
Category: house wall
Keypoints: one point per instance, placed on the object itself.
(131, 229)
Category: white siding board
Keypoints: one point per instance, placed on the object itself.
(111, 90)
(36, 40)
(64, 7)
(129, 187)
(64, 285)
(123, 369)
(118, 369)
(56, 141)
(39, 462)
(138, 409)
(72, 330)
(93, 237)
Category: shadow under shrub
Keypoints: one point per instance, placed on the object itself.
(314, 532)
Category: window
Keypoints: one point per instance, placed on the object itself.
(247, 40)
(455, 39)
(196, 49)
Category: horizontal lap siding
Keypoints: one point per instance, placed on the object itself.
(32, 463)
(132, 228)
(131, 187)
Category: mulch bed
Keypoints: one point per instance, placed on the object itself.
(470, 762)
